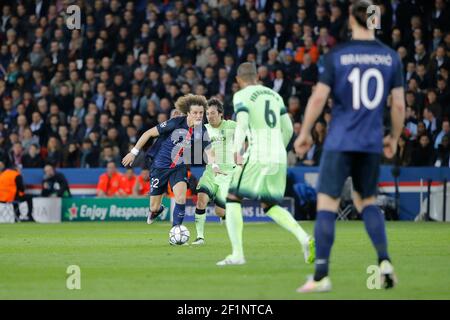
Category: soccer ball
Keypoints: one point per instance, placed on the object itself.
(179, 235)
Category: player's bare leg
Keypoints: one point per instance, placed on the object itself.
(324, 235)
(235, 225)
(155, 208)
(179, 191)
(200, 217)
(374, 222)
(285, 220)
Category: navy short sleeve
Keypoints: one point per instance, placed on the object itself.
(397, 79)
(169, 125)
(327, 74)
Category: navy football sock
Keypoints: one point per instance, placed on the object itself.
(374, 222)
(324, 236)
(178, 214)
(160, 210)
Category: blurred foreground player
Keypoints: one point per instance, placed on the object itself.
(262, 117)
(360, 74)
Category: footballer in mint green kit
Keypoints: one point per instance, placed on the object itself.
(261, 175)
(213, 185)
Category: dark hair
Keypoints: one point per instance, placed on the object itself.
(113, 162)
(214, 102)
(359, 11)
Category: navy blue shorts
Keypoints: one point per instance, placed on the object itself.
(337, 166)
(160, 177)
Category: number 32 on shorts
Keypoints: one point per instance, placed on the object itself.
(154, 183)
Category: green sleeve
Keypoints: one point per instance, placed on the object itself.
(239, 103)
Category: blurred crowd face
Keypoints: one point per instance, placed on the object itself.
(129, 173)
(446, 127)
(63, 131)
(145, 174)
(49, 171)
(111, 168)
(33, 151)
(89, 120)
(108, 152)
(162, 117)
(424, 141)
(17, 149)
(21, 121)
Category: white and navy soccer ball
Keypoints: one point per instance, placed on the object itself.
(179, 235)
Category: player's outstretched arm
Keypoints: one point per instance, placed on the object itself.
(314, 108)
(129, 158)
(211, 159)
(397, 120)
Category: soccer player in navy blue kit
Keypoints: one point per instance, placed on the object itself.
(181, 140)
(359, 74)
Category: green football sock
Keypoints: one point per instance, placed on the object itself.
(235, 225)
(287, 221)
(200, 218)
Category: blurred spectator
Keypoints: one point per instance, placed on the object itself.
(127, 182)
(142, 185)
(54, 183)
(411, 122)
(443, 153)
(403, 156)
(312, 157)
(431, 123)
(444, 132)
(12, 189)
(109, 182)
(71, 156)
(79, 110)
(308, 48)
(107, 156)
(28, 139)
(423, 154)
(32, 159)
(88, 155)
(293, 158)
(37, 126)
(88, 127)
(282, 85)
(54, 152)
(16, 155)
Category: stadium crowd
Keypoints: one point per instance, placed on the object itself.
(81, 98)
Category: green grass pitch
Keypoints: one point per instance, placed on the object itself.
(134, 261)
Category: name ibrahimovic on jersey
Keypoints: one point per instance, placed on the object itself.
(375, 59)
